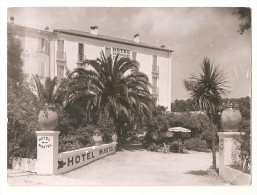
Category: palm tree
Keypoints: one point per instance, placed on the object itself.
(109, 88)
(206, 91)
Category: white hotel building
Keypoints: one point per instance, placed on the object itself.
(48, 54)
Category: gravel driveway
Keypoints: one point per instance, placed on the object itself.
(141, 167)
(134, 167)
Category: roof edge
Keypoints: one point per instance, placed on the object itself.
(115, 41)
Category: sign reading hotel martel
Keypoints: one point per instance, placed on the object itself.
(122, 53)
(44, 142)
(84, 156)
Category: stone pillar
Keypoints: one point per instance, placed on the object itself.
(228, 144)
(47, 152)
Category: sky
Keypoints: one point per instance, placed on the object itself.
(193, 34)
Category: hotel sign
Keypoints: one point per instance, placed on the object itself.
(44, 142)
(73, 159)
(121, 52)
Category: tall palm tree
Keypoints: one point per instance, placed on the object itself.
(206, 91)
(109, 88)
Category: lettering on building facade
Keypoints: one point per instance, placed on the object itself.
(121, 52)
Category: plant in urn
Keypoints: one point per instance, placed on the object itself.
(48, 117)
(231, 118)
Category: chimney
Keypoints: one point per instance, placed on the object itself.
(94, 30)
(47, 28)
(162, 46)
(136, 38)
(12, 19)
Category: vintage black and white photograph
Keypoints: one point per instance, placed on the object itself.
(129, 96)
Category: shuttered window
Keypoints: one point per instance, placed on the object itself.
(60, 45)
(41, 69)
(154, 60)
(43, 45)
(60, 72)
(107, 52)
(134, 55)
(81, 52)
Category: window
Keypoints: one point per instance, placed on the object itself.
(154, 82)
(81, 52)
(60, 72)
(41, 69)
(43, 45)
(155, 89)
(155, 68)
(60, 45)
(134, 55)
(154, 60)
(107, 52)
(60, 50)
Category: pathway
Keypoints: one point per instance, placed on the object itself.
(134, 167)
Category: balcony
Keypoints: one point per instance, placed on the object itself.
(60, 55)
(155, 71)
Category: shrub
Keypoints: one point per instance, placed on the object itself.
(107, 128)
(22, 120)
(196, 144)
(64, 125)
(69, 143)
(154, 147)
(174, 148)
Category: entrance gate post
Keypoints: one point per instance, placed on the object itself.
(228, 143)
(47, 152)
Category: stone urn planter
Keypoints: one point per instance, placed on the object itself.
(48, 119)
(231, 118)
(97, 138)
(114, 138)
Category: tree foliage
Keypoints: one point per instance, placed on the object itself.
(22, 105)
(23, 109)
(14, 59)
(243, 14)
(208, 88)
(182, 106)
(111, 90)
(206, 91)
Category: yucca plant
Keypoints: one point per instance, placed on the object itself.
(206, 91)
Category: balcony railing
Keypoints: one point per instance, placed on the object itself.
(155, 90)
(155, 69)
(81, 58)
(60, 55)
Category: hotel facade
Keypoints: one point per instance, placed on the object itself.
(48, 54)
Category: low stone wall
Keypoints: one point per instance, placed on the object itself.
(50, 162)
(24, 164)
(71, 160)
(235, 177)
